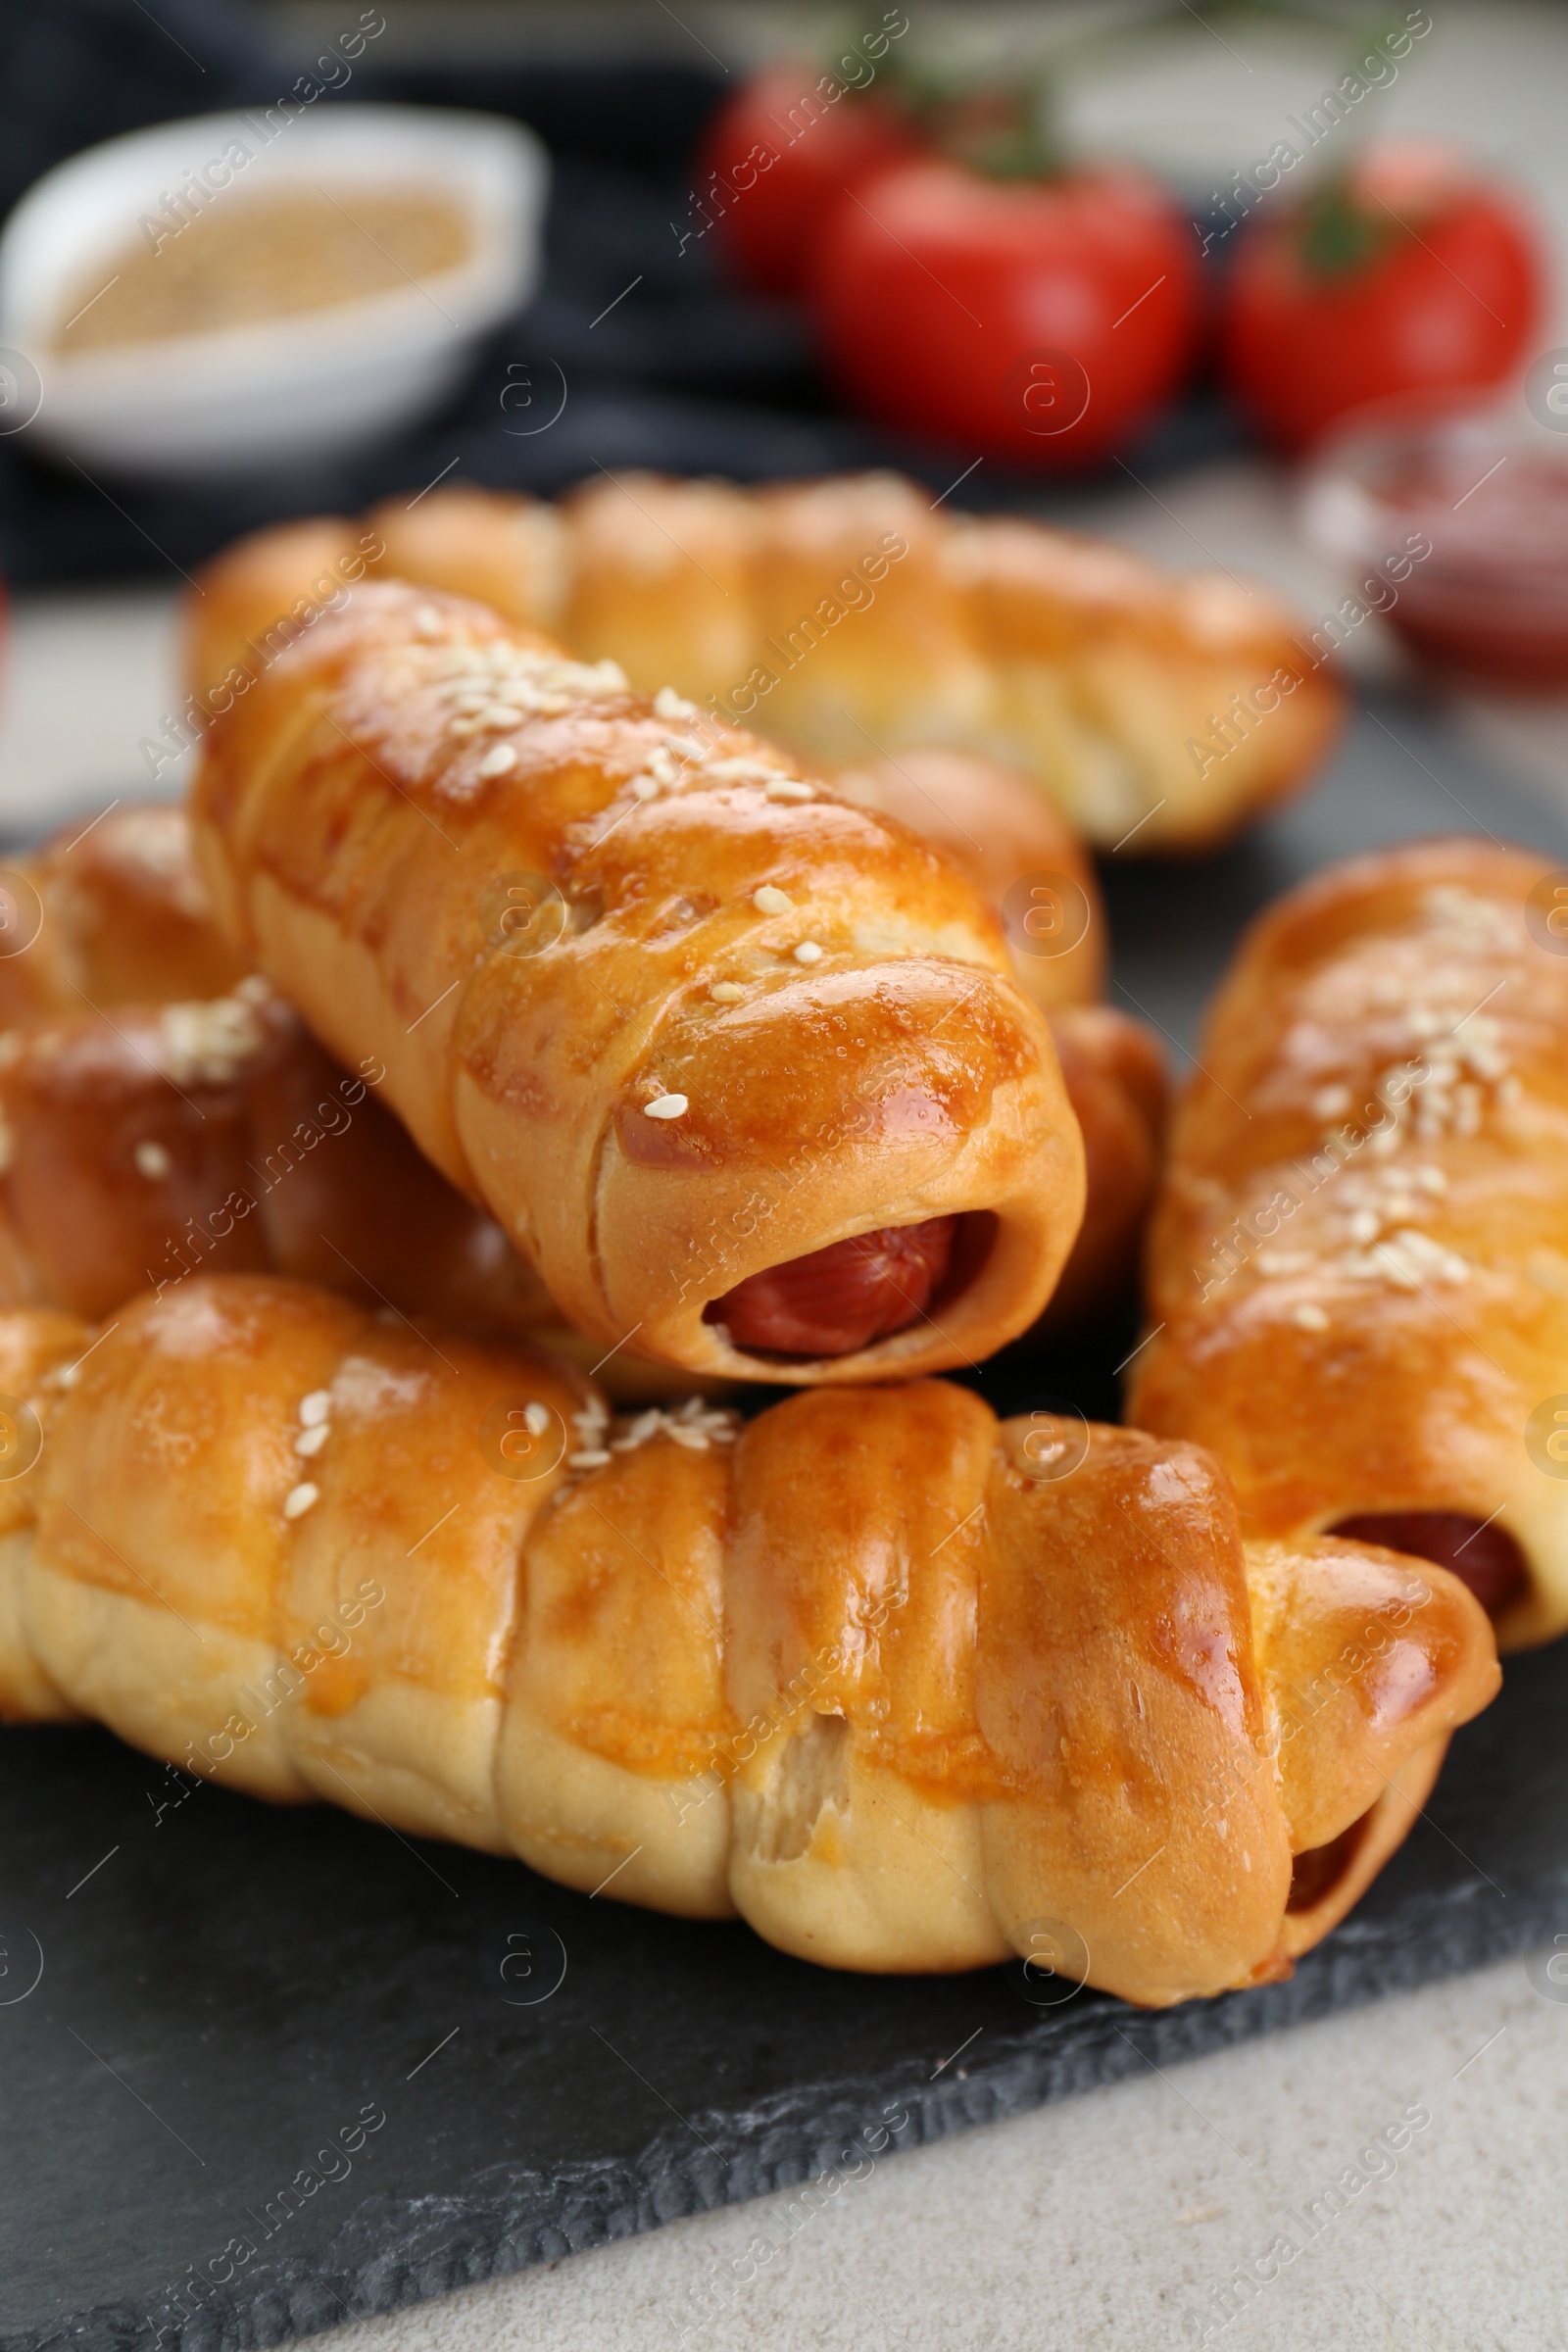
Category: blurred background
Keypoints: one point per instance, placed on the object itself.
(759, 241)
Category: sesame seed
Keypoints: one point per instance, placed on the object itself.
(1331, 1102)
(536, 1419)
(685, 747)
(741, 770)
(311, 1440)
(645, 788)
(808, 952)
(209, 1041)
(727, 992)
(667, 704)
(769, 900)
(790, 788)
(315, 1406)
(1403, 1276)
(1364, 1225)
(299, 1499)
(152, 1160)
(594, 1458)
(1307, 1318)
(694, 1439)
(428, 621)
(499, 760)
(1432, 1180)
(666, 1107)
(496, 718)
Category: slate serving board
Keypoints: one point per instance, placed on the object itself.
(292, 2047)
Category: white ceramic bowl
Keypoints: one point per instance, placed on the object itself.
(240, 398)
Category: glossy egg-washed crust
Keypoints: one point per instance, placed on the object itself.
(1360, 1260)
(111, 914)
(850, 613)
(362, 848)
(865, 1670)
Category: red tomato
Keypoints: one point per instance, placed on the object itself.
(779, 157)
(1038, 320)
(1412, 275)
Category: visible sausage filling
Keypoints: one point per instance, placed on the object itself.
(843, 1297)
(1485, 1557)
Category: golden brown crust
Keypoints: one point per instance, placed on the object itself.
(124, 918)
(508, 552)
(1360, 1257)
(1007, 837)
(1179, 704)
(905, 1687)
(258, 595)
(850, 617)
(32, 1348)
(866, 1060)
(1113, 1069)
(218, 1137)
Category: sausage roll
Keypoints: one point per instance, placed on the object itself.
(1358, 1267)
(906, 1688)
(739, 1068)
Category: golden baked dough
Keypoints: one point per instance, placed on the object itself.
(1022, 858)
(850, 617)
(117, 912)
(1113, 1069)
(741, 1022)
(1358, 1267)
(906, 1687)
(215, 1136)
